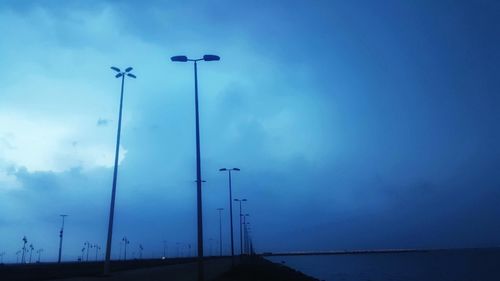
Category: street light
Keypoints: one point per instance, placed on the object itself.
(241, 234)
(97, 249)
(25, 240)
(31, 251)
(198, 165)
(61, 238)
(231, 208)
(88, 245)
(121, 74)
(39, 252)
(164, 249)
(220, 230)
(125, 243)
(244, 231)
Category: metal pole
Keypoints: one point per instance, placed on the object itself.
(25, 240)
(241, 233)
(231, 218)
(198, 178)
(88, 247)
(164, 248)
(61, 233)
(244, 234)
(113, 191)
(220, 231)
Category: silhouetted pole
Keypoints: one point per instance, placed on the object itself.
(31, 251)
(231, 209)
(220, 230)
(88, 247)
(61, 233)
(164, 248)
(241, 233)
(25, 240)
(115, 171)
(247, 237)
(244, 231)
(125, 242)
(39, 252)
(198, 164)
(97, 248)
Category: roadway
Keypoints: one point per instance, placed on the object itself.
(177, 272)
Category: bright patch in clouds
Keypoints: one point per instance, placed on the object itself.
(50, 145)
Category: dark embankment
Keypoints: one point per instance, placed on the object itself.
(48, 271)
(259, 269)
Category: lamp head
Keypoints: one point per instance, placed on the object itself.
(211, 58)
(179, 58)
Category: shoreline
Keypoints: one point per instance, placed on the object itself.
(257, 268)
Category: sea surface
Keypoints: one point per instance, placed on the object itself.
(437, 265)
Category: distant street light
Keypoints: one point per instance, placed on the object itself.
(17, 256)
(83, 253)
(244, 231)
(88, 245)
(220, 230)
(125, 243)
(61, 233)
(121, 74)
(198, 164)
(241, 233)
(39, 252)
(164, 249)
(231, 208)
(25, 240)
(31, 251)
(97, 248)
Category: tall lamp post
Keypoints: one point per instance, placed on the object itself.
(121, 74)
(241, 233)
(88, 245)
(61, 233)
(164, 249)
(245, 232)
(125, 243)
(220, 230)
(25, 240)
(231, 208)
(39, 252)
(198, 165)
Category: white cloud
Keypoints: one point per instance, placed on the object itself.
(45, 144)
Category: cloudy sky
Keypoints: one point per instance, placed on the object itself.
(355, 124)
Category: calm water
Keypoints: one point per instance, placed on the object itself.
(446, 265)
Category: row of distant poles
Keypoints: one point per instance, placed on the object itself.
(122, 74)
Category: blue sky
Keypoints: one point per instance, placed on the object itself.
(356, 125)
